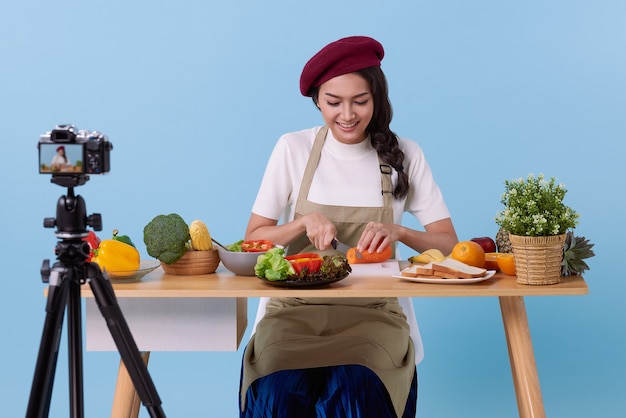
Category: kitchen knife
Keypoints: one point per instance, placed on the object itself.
(340, 246)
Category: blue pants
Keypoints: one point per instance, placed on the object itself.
(350, 391)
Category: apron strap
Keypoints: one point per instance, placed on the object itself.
(387, 186)
(311, 166)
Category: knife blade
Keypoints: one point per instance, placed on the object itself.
(340, 246)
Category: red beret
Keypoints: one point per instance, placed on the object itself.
(344, 56)
(60, 147)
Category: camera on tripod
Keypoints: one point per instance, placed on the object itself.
(65, 151)
(71, 156)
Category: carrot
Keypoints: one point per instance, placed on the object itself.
(354, 256)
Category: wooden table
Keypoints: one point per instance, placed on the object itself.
(224, 284)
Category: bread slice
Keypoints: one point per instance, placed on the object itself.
(452, 269)
(444, 275)
(418, 270)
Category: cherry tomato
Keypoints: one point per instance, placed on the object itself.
(256, 246)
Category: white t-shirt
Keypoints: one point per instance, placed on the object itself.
(347, 175)
(58, 160)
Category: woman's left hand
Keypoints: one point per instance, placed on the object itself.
(376, 236)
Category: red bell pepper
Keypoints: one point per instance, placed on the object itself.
(93, 241)
(309, 261)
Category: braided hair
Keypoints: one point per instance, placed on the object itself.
(384, 141)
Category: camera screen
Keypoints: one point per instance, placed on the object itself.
(61, 158)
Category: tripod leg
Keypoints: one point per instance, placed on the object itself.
(126, 403)
(107, 303)
(43, 380)
(75, 352)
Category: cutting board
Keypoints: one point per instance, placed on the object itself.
(386, 268)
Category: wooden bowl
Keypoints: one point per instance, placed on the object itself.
(194, 262)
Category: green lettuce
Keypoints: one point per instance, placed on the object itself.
(273, 266)
(235, 247)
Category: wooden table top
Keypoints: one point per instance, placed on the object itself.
(225, 284)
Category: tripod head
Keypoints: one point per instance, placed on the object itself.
(72, 219)
(71, 222)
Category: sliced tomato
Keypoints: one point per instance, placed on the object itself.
(256, 246)
(309, 261)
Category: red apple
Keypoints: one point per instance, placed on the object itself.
(487, 243)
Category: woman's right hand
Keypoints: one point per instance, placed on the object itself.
(320, 230)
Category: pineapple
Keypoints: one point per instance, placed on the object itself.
(502, 241)
(575, 250)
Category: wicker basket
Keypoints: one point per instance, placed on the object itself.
(538, 259)
(194, 262)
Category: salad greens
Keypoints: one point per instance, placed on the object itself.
(334, 267)
(235, 247)
(273, 266)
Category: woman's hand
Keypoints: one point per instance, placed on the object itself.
(320, 230)
(376, 236)
(440, 234)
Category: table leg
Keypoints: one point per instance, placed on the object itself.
(522, 358)
(126, 402)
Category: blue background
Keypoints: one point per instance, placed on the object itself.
(193, 96)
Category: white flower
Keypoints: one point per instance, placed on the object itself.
(534, 207)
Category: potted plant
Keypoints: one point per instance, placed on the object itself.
(537, 222)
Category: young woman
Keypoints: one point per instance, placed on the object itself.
(59, 160)
(351, 180)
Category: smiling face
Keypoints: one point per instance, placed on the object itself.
(347, 107)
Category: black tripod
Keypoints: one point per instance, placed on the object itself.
(65, 278)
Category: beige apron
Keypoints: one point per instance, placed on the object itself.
(299, 333)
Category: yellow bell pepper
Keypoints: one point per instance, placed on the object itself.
(116, 256)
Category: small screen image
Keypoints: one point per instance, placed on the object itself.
(61, 158)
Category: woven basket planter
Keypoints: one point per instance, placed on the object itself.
(538, 259)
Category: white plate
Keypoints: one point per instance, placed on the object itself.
(145, 267)
(440, 280)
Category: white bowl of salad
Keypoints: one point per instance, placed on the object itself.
(241, 256)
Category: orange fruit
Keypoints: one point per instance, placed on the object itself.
(506, 262)
(470, 253)
(491, 261)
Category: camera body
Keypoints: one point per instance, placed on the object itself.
(66, 151)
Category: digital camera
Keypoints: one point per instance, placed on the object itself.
(65, 151)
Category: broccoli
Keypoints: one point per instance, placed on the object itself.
(166, 237)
